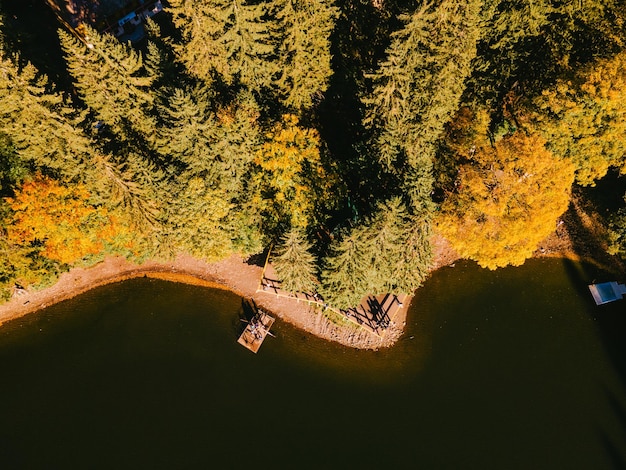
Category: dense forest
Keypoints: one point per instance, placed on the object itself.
(344, 134)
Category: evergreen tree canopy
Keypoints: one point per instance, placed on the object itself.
(346, 274)
(232, 38)
(525, 43)
(185, 131)
(43, 128)
(509, 31)
(235, 142)
(294, 263)
(418, 87)
(112, 81)
(209, 236)
(304, 49)
(389, 253)
(12, 168)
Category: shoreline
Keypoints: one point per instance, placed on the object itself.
(232, 274)
(236, 275)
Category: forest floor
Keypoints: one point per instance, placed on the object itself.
(579, 235)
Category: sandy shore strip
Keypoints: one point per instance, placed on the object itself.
(232, 274)
(235, 275)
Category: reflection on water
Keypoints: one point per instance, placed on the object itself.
(508, 369)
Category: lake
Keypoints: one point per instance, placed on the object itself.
(512, 369)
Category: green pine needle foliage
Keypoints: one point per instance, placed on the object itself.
(294, 263)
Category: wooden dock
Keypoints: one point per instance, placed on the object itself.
(256, 331)
(607, 292)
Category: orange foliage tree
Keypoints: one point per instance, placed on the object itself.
(60, 220)
(509, 197)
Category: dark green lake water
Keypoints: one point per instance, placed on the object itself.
(513, 369)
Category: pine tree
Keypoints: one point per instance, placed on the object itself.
(510, 34)
(229, 37)
(209, 237)
(418, 87)
(384, 237)
(12, 168)
(346, 273)
(525, 43)
(215, 146)
(388, 253)
(235, 142)
(186, 129)
(304, 49)
(43, 127)
(217, 142)
(294, 263)
(415, 260)
(111, 80)
(159, 60)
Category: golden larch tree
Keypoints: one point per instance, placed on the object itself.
(508, 198)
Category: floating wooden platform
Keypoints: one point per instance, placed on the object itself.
(256, 331)
(607, 292)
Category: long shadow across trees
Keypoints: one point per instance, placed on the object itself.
(30, 30)
(361, 35)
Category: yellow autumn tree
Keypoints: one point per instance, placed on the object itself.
(60, 220)
(583, 118)
(290, 174)
(509, 197)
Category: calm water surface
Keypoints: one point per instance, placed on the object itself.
(513, 369)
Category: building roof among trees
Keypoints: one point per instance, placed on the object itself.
(122, 18)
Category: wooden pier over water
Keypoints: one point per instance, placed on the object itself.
(607, 292)
(256, 331)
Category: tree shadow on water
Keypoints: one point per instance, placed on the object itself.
(614, 445)
(611, 323)
(609, 319)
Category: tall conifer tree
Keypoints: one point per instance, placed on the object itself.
(389, 253)
(230, 37)
(43, 127)
(417, 89)
(304, 49)
(185, 132)
(112, 80)
(294, 262)
(209, 237)
(346, 273)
